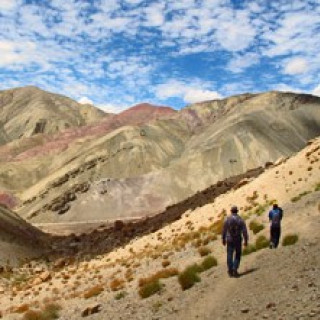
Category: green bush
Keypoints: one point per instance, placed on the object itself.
(255, 226)
(249, 249)
(120, 295)
(290, 239)
(317, 188)
(298, 197)
(189, 276)
(208, 262)
(262, 242)
(150, 288)
(261, 209)
(49, 312)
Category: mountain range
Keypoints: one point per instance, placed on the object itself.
(73, 162)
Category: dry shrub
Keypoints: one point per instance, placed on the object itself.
(197, 243)
(92, 292)
(165, 263)
(204, 251)
(33, 315)
(48, 312)
(162, 274)
(21, 309)
(117, 284)
(217, 226)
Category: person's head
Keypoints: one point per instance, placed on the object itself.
(234, 210)
(275, 206)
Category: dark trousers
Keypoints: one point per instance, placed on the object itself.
(234, 250)
(275, 232)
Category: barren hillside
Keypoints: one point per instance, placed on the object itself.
(18, 239)
(138, 170)
(28, 111)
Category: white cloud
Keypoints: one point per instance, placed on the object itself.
(155, 15)
(133, 2)
(287, 88)
(13, 53)
(199, 95)
(8, 4)
(189, 93)
(112, 108)
(316, 91)
(296, 66)
(235, 32)
(85, 100)
(240, 62)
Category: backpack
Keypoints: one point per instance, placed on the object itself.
(276, 216)
(235, 227)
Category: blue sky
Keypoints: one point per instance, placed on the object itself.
(116, 53)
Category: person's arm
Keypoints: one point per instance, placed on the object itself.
(245, 233)
(270, 215)
(281, 213)
(224, 232)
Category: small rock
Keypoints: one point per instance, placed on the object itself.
(45, 276)
(245, 310)
(37, 281)
(270, 305)
(59, 263)
(38, 270)
(91, 310)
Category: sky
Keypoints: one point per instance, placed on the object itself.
(116, 53)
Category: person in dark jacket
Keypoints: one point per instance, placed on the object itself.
(275, 217)
(234, 230)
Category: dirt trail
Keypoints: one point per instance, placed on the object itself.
(275, 284)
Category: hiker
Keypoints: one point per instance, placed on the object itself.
(233, 229)
(275, 217)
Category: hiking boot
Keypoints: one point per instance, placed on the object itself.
(271, 245)
(236, 274)
(230, 273)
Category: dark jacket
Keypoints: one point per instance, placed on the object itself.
(231, 237)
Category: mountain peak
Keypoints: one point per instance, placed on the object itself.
(149, 108)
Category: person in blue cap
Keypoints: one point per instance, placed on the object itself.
(275, 217)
